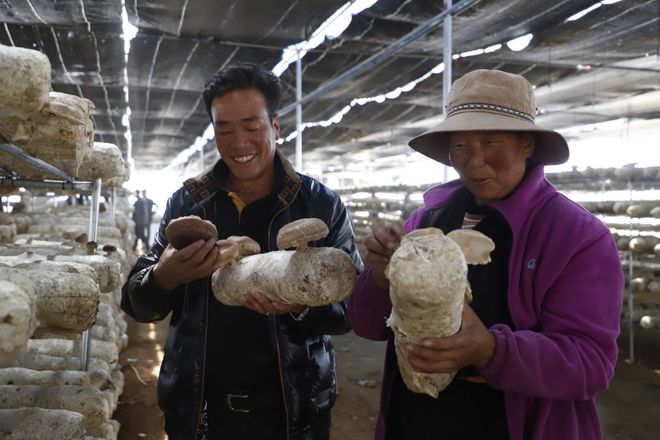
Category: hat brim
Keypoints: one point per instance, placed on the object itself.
(550, 147)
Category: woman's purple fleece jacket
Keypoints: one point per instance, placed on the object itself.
(565, 295)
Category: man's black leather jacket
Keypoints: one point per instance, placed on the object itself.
(304, 349)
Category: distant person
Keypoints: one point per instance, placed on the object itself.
(266, 370)
(538, 340)
(143, 211)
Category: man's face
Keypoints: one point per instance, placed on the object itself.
(244, 135)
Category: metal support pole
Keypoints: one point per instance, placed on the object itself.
(86, 341)
(631, 294)
(34, 162)
(447, 50)
(298, 112)
(113, 203)
(631, 304)
(46, 184)
(94, 210)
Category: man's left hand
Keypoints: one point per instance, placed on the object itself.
(259, 303)
(473, 344)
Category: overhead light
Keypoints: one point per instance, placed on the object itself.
(472, 53)
(519, 43)
(493, 48)
(584, 12)
(333, 27)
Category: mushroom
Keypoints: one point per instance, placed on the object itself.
(182, 231)
(300, 232)
(246, 245)
(81, 239)
(91, 246)
(109, 248)
(233, 248)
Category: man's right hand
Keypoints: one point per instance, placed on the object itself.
(380, 247)
(197, 260)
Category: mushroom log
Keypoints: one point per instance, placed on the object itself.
(428, 287)
(307, 276)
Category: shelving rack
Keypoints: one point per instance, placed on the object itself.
(65, 182)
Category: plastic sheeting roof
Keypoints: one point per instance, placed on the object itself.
(180, 43)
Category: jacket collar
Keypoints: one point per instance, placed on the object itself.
(533, 191)
(204, 187)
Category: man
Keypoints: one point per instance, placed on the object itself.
(265, 370)
(143, 211)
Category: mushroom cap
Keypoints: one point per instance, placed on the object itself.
(185, 230)
(91, 247)
(246, 245)
(300, 232)
(109, 248)
(475, 246)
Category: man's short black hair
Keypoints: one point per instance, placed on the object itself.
(241, 77)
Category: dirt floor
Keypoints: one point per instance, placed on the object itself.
(629, 409)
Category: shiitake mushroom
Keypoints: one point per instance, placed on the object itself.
(185, 230)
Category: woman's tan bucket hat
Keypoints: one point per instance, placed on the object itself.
(491, 100)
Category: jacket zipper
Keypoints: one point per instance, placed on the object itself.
(206, 327)
(274, 323)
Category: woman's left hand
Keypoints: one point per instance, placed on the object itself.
(473, 344)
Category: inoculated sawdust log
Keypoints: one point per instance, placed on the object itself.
(24, 376)
(64, 300)
(61, 134)
(88, 401)
(17, 320)
(24, 82)
(428, 287)
(103, 161)
(307, 276)
(41, 424)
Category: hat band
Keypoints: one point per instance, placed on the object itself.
(490, 107)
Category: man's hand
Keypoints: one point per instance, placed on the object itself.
(473, 344)
(259, 303)
(197, 260)
(380, 247)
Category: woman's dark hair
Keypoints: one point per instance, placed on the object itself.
(241, 77)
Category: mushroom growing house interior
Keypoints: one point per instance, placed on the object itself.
(103, 98)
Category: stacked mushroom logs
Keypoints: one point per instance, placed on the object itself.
(428, 287)
(65, 301)
(54, 127)
(56, 289)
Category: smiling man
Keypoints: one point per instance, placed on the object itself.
(265, 370)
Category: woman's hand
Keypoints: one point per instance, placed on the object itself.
(473, 344)
(380, 247)
(197, 260)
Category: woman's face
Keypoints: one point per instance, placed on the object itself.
(490, 164)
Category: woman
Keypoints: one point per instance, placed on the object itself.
(538, 341)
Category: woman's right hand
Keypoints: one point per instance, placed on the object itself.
(385, 239)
